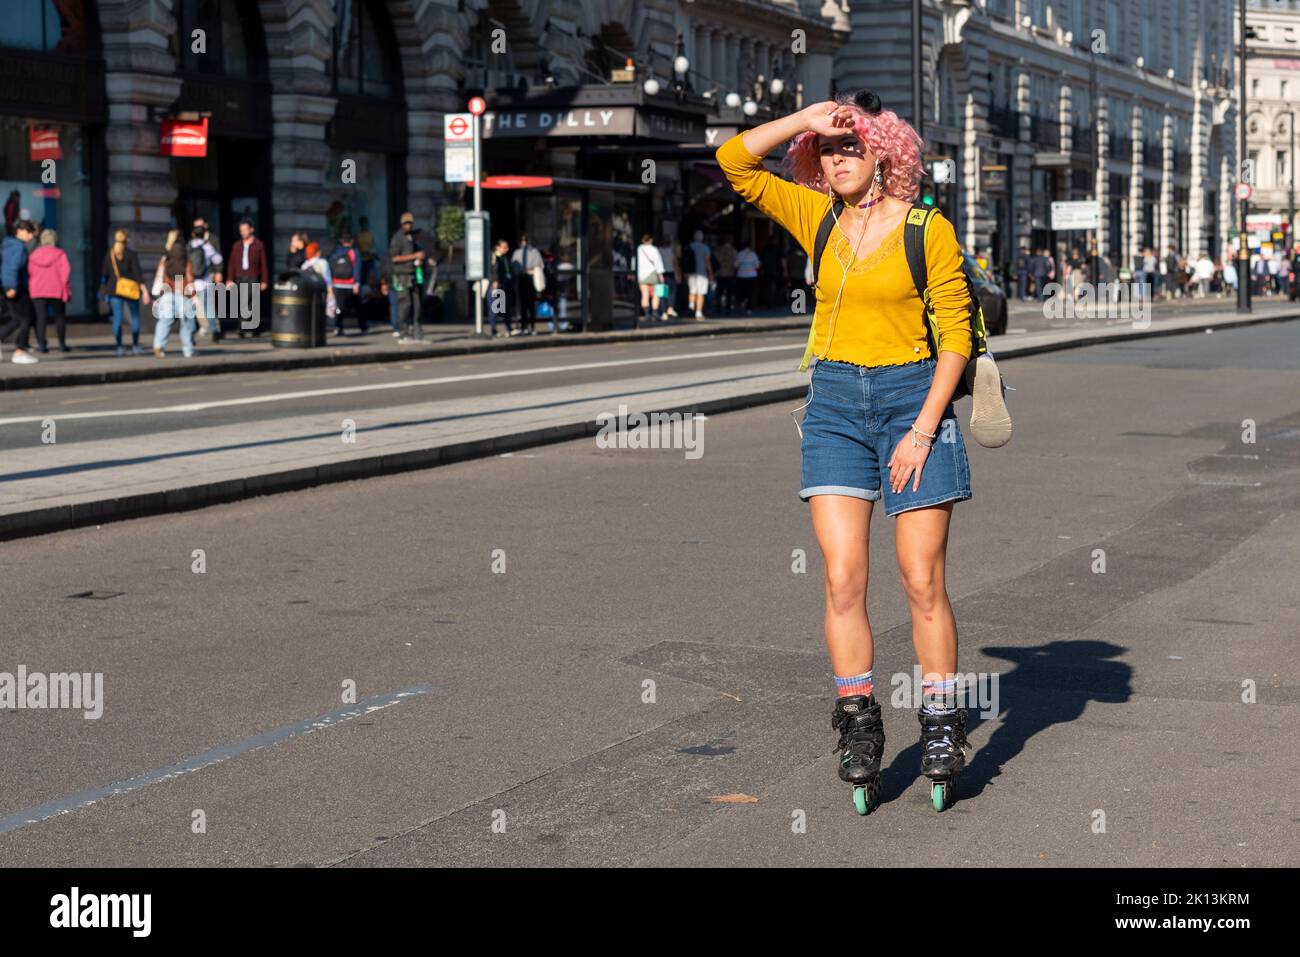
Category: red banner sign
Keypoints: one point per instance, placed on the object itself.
(514, 182)
(185, 137)
(45, 145)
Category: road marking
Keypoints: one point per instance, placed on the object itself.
(374, 387)
(225, 752)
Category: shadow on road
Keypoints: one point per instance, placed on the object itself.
(1049, 684)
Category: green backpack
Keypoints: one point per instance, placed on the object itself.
(918, 219)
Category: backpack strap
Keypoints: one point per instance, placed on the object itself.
(824, 235)
(918, 220)
(819, 246)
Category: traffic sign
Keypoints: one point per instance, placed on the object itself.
(1079, 214)
(458, 127)
(1245, 191)
(477, 105)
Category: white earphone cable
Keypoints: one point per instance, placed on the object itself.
(835, 308)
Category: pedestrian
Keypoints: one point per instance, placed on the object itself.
(878, 402)
(747, 270)
(699, 272)
(173, 277)
(500, 288)
(1230, 277)
(249, 276)
(297, 253)
(1022, 273)
(316, 263)
(17, 298)
(405, 259)
(1204, 275)
(205, 267)
(49, 276)
(1038, 271)
(345, 277)
(771, 274)
(649, 276)
(725, 254)
(527, 268)
(122, 282)
(668, 253)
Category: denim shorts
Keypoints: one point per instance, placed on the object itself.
(856, 415)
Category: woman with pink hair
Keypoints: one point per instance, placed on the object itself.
(879, 422)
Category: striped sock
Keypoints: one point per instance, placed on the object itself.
(854, 684)
(939, 695)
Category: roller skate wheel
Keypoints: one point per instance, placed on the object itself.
(940, 796)
(860, 800)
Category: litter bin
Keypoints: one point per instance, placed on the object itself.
(298, 311)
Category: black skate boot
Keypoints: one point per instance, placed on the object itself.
(944, 750)
(862, 741)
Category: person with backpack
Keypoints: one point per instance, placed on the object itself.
(345, 270)
(892, 337)
(205, 267)
(17, 304)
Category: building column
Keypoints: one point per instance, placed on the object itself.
(1065, 118)
(1196, 237)
(1022, 209)
(1166, 237)
(1135, 191)
(139, 78)
(301, 107)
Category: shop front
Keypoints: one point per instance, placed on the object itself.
(367, 136)
(52, 117)
(614, 170)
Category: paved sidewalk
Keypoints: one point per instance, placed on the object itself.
(93, 358)
(78, 483)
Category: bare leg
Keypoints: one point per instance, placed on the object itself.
(841, 524)
(921, 539)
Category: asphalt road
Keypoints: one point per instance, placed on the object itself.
(642, 645)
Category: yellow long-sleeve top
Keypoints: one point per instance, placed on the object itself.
(880, 320)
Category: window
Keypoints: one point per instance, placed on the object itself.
(1114, 27)
(1283, 89)
(1282, 176)
(362, 53)
(1000, 8)
(1254, 89)
(45, 25)
(949, 113)
(223, 47)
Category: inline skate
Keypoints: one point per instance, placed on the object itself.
(862, 743)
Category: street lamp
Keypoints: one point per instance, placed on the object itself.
(732, 100)
(1243, 205)
(1290, 191)
(749, 108)
(651, 86)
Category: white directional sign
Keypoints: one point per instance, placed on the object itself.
(1078, 214)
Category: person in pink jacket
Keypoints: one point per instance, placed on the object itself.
(50, 285)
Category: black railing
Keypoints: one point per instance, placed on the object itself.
(1082, 137)
(1005, 122)
(1045, 132)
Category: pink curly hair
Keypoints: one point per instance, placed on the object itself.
(892, 139)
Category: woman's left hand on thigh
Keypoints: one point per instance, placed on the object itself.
(906, 463)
